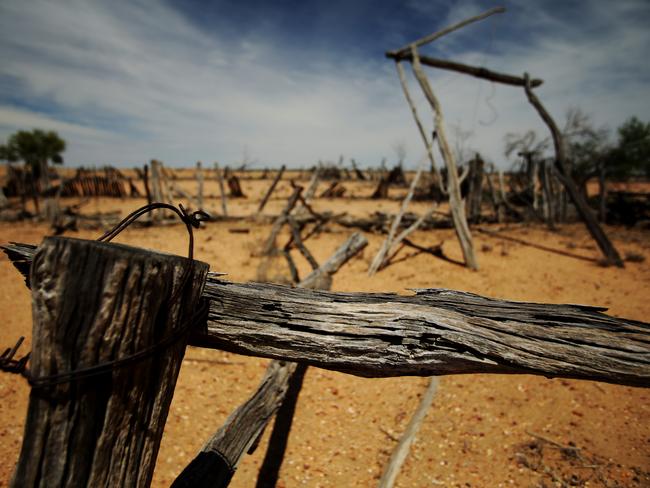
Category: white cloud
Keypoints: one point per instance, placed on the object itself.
(128, 81)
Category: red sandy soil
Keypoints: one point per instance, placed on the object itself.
(482, 430)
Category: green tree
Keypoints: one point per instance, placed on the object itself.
(631, 157)
(36, 149)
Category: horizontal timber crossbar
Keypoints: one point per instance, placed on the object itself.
(433, 332)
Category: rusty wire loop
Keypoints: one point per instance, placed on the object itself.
(192, 221)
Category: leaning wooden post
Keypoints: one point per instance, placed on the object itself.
(587, 214)
(271, 188)
(456, 203)
(427, 144)
(93, 304)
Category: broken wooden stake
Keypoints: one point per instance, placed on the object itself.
(110, 328)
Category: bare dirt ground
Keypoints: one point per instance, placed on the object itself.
(482, 431)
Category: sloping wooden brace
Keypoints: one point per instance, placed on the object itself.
(214, 466)
(586, 213)
(96, 302)
(177, 189)
(270, 246)
(321, 278)
(443, 32)
(296, 241)
(380, 258)
(399, 240)
(427, 144)
(271, 188)
(478, 72)
(433, 332)
(456, 203)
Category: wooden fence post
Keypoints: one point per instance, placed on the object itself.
(199, 182)
(224, 206)
(96, 303)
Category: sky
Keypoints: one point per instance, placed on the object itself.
(295, 82)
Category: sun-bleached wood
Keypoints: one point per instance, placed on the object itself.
(447, 30)
(389, 242)
(217, 461)
(433, 332)
(478, 72)
(456, 203)
(425, 139)
(586, 213)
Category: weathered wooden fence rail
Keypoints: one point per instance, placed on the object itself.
(433, 332)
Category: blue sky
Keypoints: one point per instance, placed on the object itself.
(301, 81)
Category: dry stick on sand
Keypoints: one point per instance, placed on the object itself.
(271, 188)
(388, 242)
(401, 451)
(224, 207)
(214, 466)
